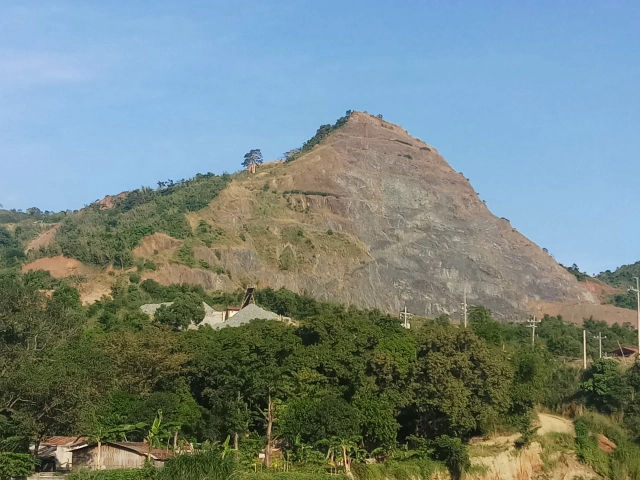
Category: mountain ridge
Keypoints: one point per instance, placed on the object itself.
(369, 216)
(377, 186)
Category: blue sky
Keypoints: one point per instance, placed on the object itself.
(537, 103)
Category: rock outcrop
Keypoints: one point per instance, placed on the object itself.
(377, 218)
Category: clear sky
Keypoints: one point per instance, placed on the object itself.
(537, 102)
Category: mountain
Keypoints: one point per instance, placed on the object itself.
(365, 214)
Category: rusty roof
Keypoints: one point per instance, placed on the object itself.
(63, 441)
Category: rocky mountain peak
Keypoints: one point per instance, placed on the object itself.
(381, 220)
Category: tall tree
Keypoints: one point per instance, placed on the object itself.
(186, 309)
(252, 159)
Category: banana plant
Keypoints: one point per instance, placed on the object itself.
(103, 434)
(153, 434)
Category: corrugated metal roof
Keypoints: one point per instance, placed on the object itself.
(246, 315)
(62, 441)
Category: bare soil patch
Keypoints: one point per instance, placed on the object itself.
(43, 240)
(154, 244)
(577, 312)
(552, 423)
(58, 267)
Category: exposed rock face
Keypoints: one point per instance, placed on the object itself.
(377, 218)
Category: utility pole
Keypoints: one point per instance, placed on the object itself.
(600, 337)
(533, 323)
(404, 315)
(584, 349)
(464, 306)
(637, 292)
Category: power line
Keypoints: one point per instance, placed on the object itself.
(464, 306)
(584, 349)
(637, 292)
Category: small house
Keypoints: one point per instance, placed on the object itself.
(55, 453)
(623, 351)
(114, 455)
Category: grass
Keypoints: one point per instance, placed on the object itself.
(148, 473)
(553, 446)
(622, 463)
(484, 450)
(292, 475)
(202, 466)
(412, 469)
(210, 466)
(478, 470)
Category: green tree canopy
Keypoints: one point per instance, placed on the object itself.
(186, 309)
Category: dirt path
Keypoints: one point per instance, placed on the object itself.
(503, 461)
(551, 423)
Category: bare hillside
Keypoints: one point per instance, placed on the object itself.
(375, 217)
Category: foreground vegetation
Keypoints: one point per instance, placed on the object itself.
(340, 386)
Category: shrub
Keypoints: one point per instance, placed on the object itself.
(150, 265)
(185, 255)
(146, 473)
(16, 465)
(396, 470)
(287, 259)
(453, 453)
(208, 465)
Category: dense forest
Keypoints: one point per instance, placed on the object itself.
(339, 382)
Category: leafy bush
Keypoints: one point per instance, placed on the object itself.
(623, 463)
(604, 386)
(41, 279)
(10, 248)
(305, 192)
(287, 259)
(414, 468)
(203, 466)
(16, 465)
(185, 255)
(147, 473)
(290, 475)
(453, 453)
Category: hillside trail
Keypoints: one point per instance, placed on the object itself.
(501, 460)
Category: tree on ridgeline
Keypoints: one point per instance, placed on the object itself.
(252, 159)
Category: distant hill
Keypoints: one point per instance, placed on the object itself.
(622, 278)
(363, 214)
